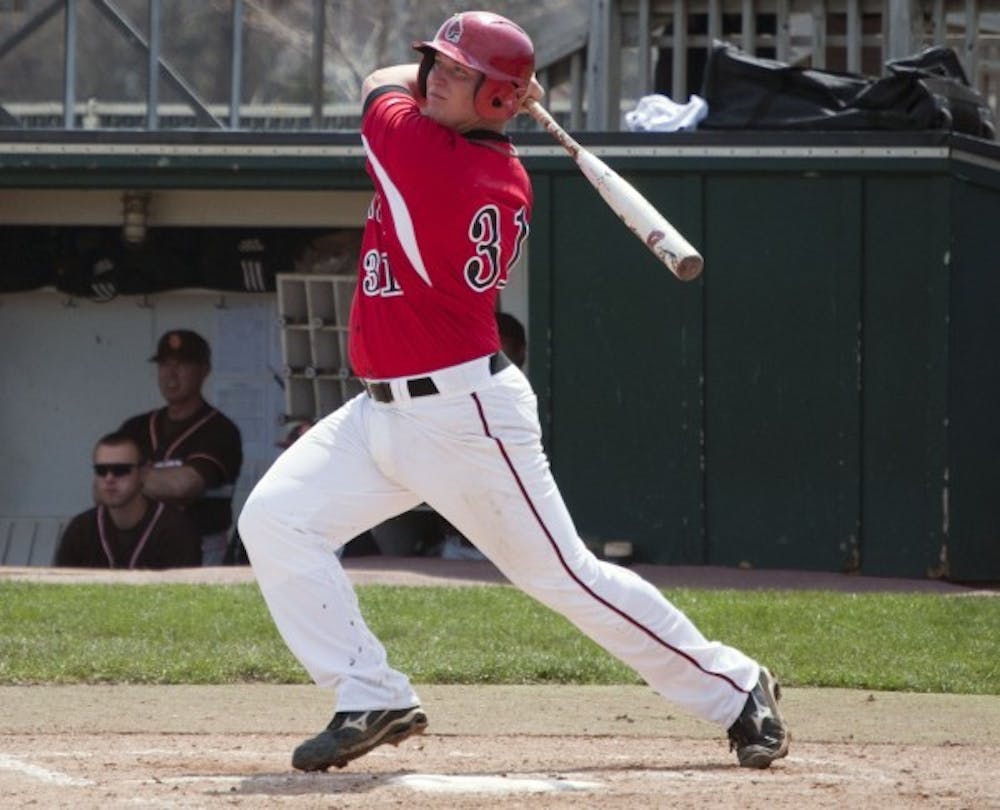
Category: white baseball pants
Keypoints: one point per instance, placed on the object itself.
(473, 453)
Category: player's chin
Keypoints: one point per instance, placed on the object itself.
(434, 112)
(442, 113)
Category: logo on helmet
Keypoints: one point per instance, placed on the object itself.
(453, 31)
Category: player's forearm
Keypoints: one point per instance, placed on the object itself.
(174, 484)
(400, 75)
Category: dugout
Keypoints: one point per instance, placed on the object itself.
(824, 397)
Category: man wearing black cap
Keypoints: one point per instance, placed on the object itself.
(195, 449)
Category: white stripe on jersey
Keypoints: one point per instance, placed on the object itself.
(400, 216)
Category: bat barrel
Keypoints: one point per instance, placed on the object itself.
(689, 267)
(632, 208)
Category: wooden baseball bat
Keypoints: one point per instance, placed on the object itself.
(662, 238)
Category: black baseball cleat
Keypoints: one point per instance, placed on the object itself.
(352, 734)
(759, 735)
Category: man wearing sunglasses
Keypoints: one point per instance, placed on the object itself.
(126, 529)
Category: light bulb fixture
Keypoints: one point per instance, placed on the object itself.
(135, 213)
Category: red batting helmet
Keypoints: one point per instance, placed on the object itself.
(492, 45)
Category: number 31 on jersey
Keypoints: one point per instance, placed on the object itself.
(481, 271)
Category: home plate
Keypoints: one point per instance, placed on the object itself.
(442, 783)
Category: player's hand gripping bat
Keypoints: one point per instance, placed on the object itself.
(634, 210)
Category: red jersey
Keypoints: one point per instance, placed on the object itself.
(448, 220)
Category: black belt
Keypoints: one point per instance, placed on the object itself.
(424, 386)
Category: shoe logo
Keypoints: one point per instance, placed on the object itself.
(759, 715)
(360, 722)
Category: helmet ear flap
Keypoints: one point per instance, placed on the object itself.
(497, 100)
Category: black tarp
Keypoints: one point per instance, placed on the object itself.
(926, 91)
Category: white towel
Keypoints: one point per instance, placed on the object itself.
(657, 113)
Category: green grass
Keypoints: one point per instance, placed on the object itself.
(223, 634)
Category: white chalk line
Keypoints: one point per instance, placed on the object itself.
(41, 774)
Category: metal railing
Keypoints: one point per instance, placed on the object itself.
(630, 48)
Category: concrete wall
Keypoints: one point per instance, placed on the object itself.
(73, 370)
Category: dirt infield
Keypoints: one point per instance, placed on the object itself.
(489, 746)
(551, 746)
(435, 571)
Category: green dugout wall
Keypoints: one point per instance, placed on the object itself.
(824, 397)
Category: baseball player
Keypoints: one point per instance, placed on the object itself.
(447, 419)
(196, 449)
